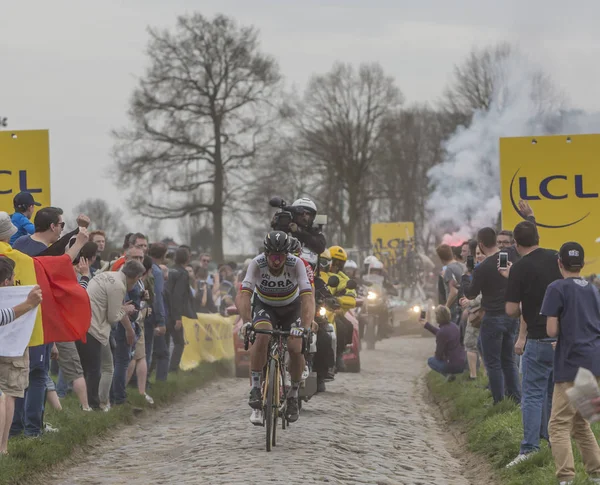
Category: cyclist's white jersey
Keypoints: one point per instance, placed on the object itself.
(279, 290)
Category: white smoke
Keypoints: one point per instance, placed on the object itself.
(466, 185)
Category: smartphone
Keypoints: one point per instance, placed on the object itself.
(470, 262)
(503, 260)
(423, 314)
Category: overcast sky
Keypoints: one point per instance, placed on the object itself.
(70, 66)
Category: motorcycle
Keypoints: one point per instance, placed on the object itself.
(374, 313)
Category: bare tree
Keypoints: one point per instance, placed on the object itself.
(411, 145)
(473, 82)
(102, 217)
(340, 131)
(198, 116)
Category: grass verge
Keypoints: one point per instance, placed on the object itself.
(29, 457)
(495, 432)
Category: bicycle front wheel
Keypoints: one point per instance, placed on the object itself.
(269, 404)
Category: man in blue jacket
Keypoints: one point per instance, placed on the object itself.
(24, 205)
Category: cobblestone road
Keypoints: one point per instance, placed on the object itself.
(369, 428)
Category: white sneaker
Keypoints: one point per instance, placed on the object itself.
(105, 408)
(520, 459)
(148, 399)
(256, 418)
(569, 483)
(50, 429)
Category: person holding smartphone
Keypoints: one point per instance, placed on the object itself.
(498, 331)
(450, 357)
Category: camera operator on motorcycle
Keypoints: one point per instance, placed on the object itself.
(347, 299)
(283, 298)
(304, 212)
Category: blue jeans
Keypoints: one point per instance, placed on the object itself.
(29, 411)
(498, 333)
(149, 341)
(161, 357)
(441, 367)
(121, 357)
(62, 386)
(538, 386)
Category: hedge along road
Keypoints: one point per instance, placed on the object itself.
(375, 427)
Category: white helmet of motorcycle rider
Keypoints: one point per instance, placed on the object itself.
(306, 211)
(350, 264)
(376, 267)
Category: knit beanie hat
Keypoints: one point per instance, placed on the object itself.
(7, 228)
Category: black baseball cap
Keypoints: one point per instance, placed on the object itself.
(572, 255)
(25, 199)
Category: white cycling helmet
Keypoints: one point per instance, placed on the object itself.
(376, 265)
(307, 204)
(308, 256)
(370, 260)
(350, 264)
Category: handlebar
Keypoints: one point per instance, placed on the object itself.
(273, 332)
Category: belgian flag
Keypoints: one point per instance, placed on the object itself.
(65, 313)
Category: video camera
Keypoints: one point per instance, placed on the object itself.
(284, 217)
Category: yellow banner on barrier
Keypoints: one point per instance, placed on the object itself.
(389, 239)
(208, 338)
(24, 166)
(559, 176)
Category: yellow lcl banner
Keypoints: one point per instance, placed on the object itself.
(208, 338)
(387, 237)
(559, 176)
(24, 166)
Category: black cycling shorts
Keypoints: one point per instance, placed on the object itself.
(281, 317)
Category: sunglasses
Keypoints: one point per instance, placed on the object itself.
(61, 224)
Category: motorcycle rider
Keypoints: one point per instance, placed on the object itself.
(347, 299)
(305, 211)
(283, 299)
(324, 358)
(351, 269)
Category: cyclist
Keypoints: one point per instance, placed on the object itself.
(283, 299)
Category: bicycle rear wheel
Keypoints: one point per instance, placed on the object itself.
(269, 404)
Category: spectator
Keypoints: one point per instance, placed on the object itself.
(227, 291)
(13, 370)
(106, 291)
(181, 305)
(449, 358)
(498, 331)
(203, 301)
(136, 240)
(505, 239)
(99, 238)
(572, 309)
(138, 363)
(155, 324)
(70, 370)
(29, 411)
(205, 260)
(121, 334)
(471, 338)
(24, 205)
(452, 279)
(528, 279)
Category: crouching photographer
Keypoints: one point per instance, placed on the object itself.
(298, 220)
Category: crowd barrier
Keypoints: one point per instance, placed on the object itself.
(208, 338)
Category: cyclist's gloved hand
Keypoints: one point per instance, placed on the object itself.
(247, 327)
(297, 332)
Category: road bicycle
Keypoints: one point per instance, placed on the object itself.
(274, 388)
